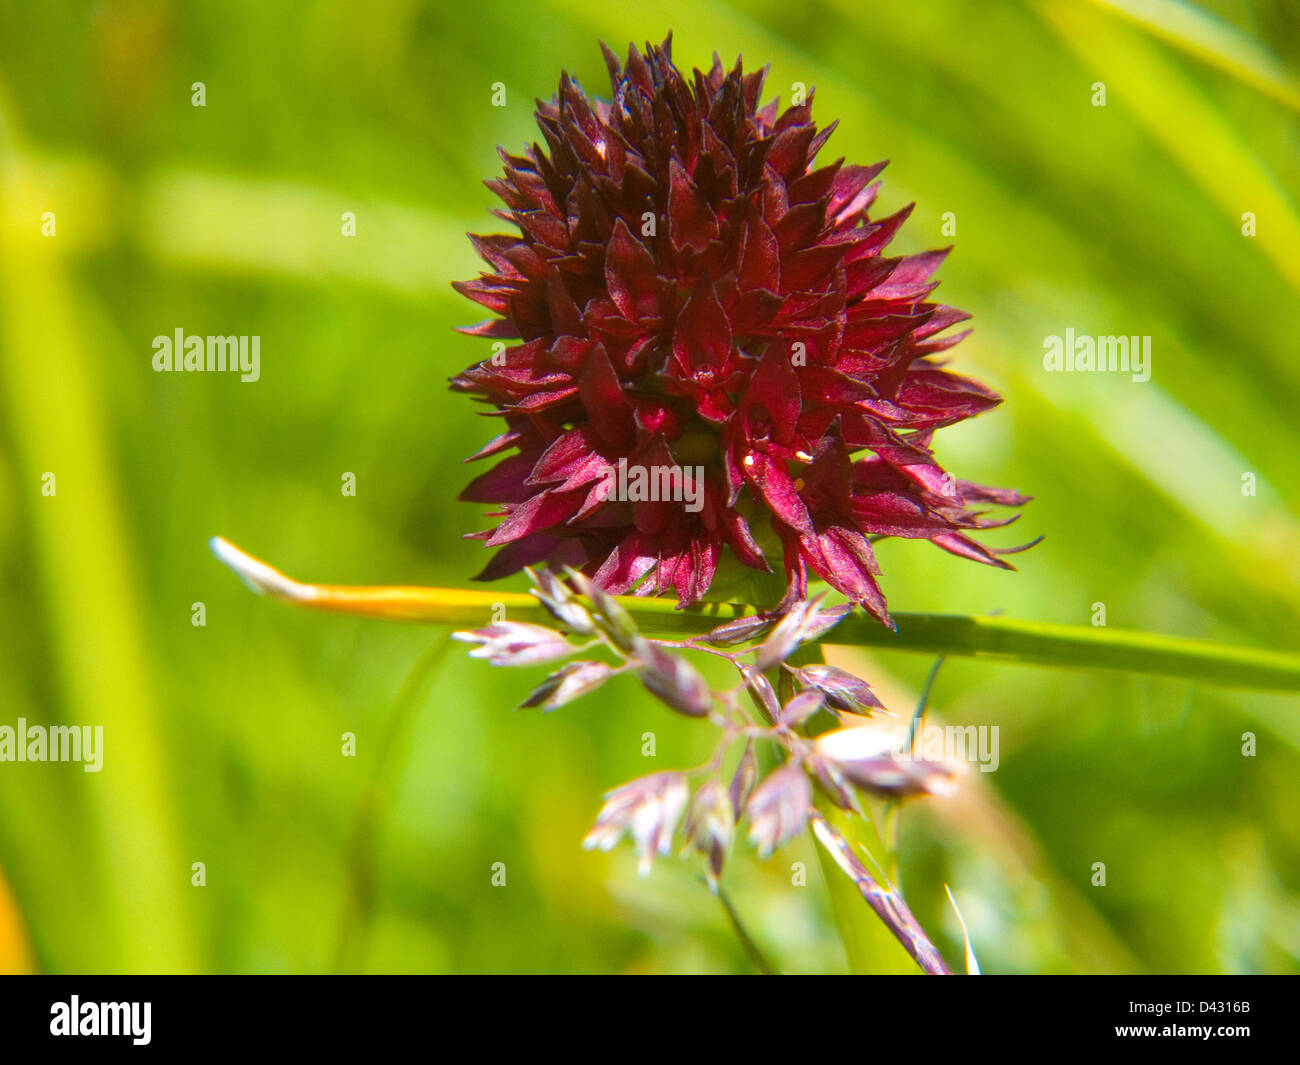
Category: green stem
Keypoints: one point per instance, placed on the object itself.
(358, 905)
(750, 947)
(996, 638)
(919, 715)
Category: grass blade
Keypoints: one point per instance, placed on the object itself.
(964, 636)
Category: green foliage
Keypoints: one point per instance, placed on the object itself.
(223, 742)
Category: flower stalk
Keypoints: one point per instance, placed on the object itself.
(956, 636)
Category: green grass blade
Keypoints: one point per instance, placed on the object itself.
(1024, 642)
(1206, 37)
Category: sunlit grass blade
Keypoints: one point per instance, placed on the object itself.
(1189, 126)
(127, 874)
(972, 962)
(1214, 42)
(1024, 642)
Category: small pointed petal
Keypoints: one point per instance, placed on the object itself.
(674, 680)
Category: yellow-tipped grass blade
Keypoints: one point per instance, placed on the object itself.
(1003, 639)
(445, 606)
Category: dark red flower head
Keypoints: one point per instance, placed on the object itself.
(691, 294)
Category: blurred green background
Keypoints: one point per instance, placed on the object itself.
(223, 742)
